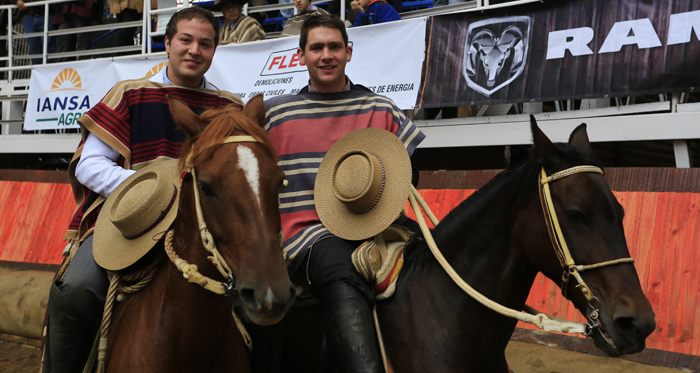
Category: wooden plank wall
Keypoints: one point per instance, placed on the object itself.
(662, 229)
(35, 216)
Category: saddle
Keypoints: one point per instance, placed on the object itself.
(378, 260)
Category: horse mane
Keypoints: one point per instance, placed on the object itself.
(491, 205)
(222, 122)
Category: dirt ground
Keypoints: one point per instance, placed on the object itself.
(523, 358)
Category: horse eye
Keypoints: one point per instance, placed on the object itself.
(206, 190)
(575, 217)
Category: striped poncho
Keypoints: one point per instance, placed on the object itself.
(134, 118)
(303, 127)
(246, 29)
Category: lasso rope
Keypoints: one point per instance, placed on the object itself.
(540, 320)
(143, 278)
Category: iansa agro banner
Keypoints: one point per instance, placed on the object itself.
(60, 94)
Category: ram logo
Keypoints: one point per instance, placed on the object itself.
(495, 52)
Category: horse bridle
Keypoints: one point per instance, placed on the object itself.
(190, 271)
(534, 317)
(561, 248)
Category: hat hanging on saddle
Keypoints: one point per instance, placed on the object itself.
(136, 215)
(218, 4)
(363, 183)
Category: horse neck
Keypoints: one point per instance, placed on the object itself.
(477, 239)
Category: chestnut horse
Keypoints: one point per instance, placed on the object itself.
(175, 326)
(497, 241)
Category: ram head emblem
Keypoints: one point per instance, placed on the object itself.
(496, 52)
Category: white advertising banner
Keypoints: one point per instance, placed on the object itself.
(387, 58)
(60, 94)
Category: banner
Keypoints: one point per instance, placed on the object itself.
(385, 59)
(60, 94)
(565, 49)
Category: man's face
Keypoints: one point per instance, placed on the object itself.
(232, 11)
(302, 5)
(325, 56)
(190, 52)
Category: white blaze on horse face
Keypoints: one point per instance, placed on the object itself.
(249, 164)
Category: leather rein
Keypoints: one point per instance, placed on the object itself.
(537, 318)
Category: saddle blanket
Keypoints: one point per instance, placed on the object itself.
(379, 260)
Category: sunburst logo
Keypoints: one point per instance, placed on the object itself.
(156, 69)
(67, 79)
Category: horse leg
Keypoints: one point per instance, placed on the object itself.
(74, 310)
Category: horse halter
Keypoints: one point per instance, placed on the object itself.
(561, 248)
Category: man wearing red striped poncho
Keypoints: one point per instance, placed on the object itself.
(130, 128)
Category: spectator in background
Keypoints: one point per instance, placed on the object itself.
(127, 11)
(306, 10)
(237, 27)
(334, 6)
(34, 22)
(370, 12)
(81, 13)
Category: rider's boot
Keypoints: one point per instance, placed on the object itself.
(70, 335)
(349, 328)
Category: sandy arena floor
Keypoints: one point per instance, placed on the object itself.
(523, 358)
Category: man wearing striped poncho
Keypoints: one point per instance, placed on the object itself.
(303, 127)
(237, 27)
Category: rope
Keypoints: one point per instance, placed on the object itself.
(143, 276)
(68, 253)
(582, 268)
(190, 272)
(540, 320)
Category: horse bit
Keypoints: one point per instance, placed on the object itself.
(533, 316)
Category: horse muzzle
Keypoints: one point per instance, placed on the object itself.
(267, 306)
(628, 332)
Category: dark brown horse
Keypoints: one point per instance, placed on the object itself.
(497, 241)
(176, 326)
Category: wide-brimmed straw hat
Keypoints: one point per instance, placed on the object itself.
(136, 215)
(363, 183)
(218, 4)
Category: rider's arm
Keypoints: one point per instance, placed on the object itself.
(98, 168)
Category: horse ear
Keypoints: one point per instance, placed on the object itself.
(255, 109)
(184, 117)
(544, 148)
(579, 140)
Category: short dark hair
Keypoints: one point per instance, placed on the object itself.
(190, 14)
(321, 20)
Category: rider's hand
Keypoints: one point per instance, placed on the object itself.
(355, 9)
(21, 6)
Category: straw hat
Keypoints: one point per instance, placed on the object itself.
(136, 215)
(218, 4)
(363, 183)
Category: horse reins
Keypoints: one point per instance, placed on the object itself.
(538, 319)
